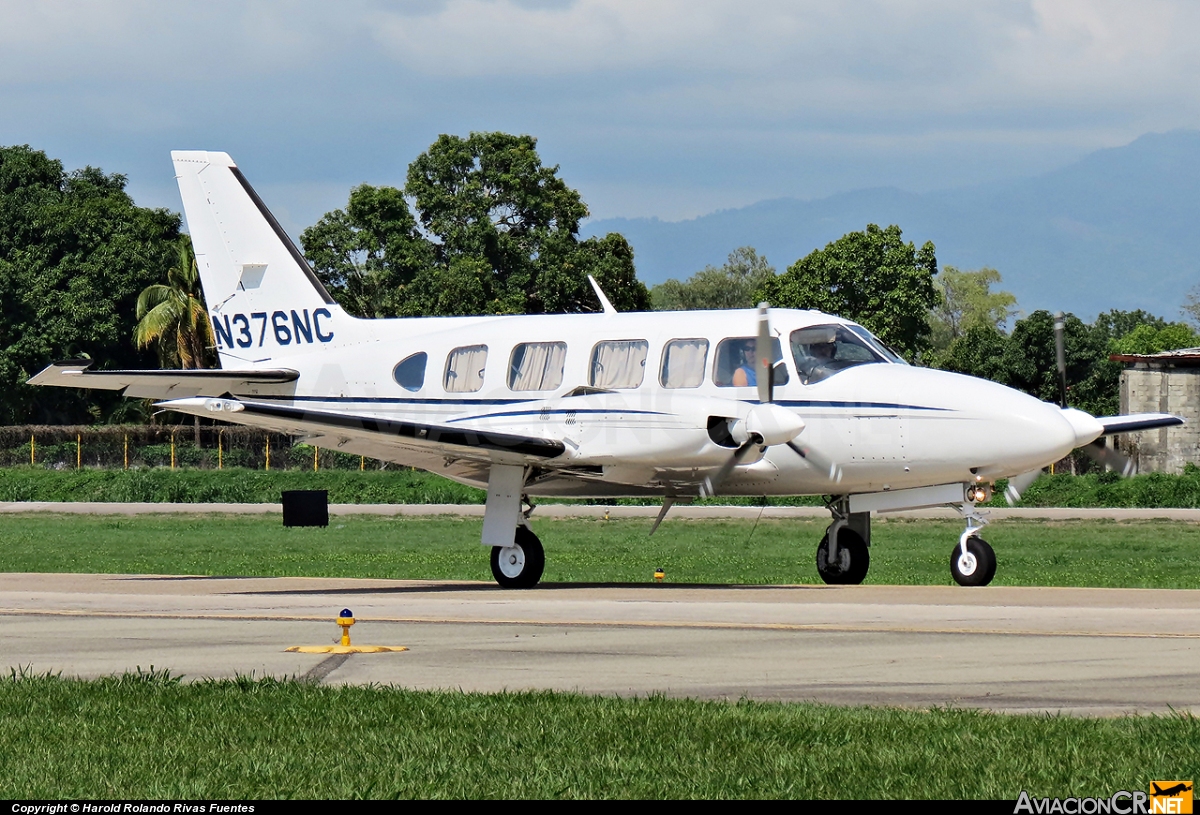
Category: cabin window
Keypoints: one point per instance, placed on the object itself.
(736, 363)
(537, 366)
(683, 363)
(822, 350)
(618, 364)
(464, 369)
(409, 373)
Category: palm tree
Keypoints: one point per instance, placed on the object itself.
(173, 316)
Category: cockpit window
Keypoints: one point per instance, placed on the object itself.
(877, 344)
(823, 350)
(409, 373)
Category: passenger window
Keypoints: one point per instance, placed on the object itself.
(683, 363)
(537, 366)
(618, 364)
(409, 373)
(464, 369)
(736, 363)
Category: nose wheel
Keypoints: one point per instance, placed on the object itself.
(976, 566)
(519, 566)
(851, 563)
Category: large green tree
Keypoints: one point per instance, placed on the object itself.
(731, 285)
(368, 254)
(75, 252)
(872, 277)
(481, 226)
(968, 301)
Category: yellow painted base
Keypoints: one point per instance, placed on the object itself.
(345, 649)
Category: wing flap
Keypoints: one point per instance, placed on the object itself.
(166, 384)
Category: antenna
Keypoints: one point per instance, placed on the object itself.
(608, 307)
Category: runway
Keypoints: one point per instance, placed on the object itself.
(1076, 651)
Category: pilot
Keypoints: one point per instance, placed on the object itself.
(744, 375)
(816, 359)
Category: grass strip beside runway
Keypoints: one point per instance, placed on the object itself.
(152, 737)
(1136, 554)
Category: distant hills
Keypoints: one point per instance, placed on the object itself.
(1117, 229)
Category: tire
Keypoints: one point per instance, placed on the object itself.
(519, 566)
(853, 555)
(977, 567)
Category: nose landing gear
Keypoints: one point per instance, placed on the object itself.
(972, 561)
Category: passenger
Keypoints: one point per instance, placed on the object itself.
(745, 374)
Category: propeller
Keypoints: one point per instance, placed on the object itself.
(1097, 451)
(767, 424)
(1018, 484)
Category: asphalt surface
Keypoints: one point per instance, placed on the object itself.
(1076, 651)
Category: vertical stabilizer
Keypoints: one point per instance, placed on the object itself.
(264, 299)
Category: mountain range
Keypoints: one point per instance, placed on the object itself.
(1116, 229)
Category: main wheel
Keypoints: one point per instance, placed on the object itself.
(853, 559)
(977, 566)
(519, 566)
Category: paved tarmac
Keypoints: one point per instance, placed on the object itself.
(1077, 651)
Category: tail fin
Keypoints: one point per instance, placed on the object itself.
(264, 299)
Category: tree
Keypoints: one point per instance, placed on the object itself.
(370, 252)
(480, 227)
(967, 302)
(173, 318)
(731, 285)
(1148, 339)
(75, 251)
(871, 277)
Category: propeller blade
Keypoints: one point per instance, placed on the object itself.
(1060, 327)
(831, 469)
(1105, 456)
(762, 350)
(1018, 484)
(713, 482)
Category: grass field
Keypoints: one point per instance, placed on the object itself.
(151, 736)
(1158, 554)
(154, 738)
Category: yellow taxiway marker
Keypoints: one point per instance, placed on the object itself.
(346, 649)
(345, 620)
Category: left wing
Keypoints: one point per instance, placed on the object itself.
(410, 443)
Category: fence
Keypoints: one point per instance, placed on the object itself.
(207, 447)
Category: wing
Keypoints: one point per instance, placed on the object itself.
(411, 443)
(159, 384)
(1137, 421)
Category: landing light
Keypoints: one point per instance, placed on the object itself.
(979, 493)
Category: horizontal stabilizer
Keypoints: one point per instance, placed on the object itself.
(1134, 422)
(336, 430)
(168, 384)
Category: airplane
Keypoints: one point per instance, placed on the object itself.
(1170, 792)
(600, 405)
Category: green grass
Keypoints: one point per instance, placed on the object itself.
(152, 737)
(1160, 554)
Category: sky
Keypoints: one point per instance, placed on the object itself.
(661, 108)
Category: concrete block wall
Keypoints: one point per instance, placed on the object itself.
(1162, 390)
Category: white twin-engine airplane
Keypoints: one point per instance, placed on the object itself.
(597, 405)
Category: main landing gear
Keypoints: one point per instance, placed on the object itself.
(842, 556)
(520, 565)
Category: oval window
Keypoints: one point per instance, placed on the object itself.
(409, 373)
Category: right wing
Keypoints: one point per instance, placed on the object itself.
(411, 443)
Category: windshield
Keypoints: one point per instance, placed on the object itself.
(877, 344)
(823, 350)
